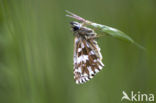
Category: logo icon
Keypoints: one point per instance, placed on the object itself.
(125, 96)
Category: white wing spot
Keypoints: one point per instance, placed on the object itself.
(79, 70)
(80, 80)
(76, 40)
(101, 63)
(91, 53)
(91, 76)
(100, 67)
(87, 44)
(85, 74)
(82, 58)
(83, 79)
(75, 59)
(96, 70)
(77, 82)
(87, 78)
(90, 70)
(94, 60)
(79, 49)
(82, 45)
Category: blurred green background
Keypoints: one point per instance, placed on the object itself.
(36, 51)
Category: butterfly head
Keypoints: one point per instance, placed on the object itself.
(75, 26)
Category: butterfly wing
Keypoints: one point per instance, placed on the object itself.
(87, 59)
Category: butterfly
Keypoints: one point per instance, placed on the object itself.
(87, 56)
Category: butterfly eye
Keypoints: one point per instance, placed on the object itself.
(75, 25)
(75, 28)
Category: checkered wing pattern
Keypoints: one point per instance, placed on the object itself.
(87, 59)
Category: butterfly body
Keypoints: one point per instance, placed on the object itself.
(87, 56)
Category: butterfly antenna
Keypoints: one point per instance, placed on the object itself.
(72, 15)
